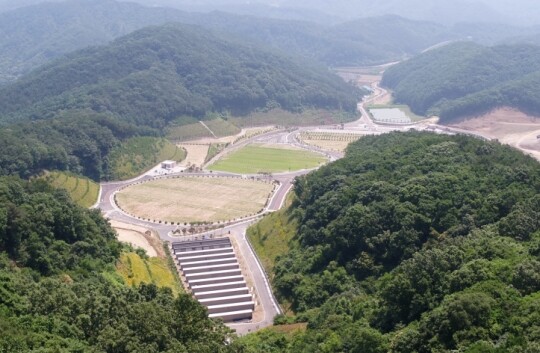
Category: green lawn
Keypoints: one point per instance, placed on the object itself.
(260, 159)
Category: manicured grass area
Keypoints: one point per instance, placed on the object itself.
(267, 159)
(82, 190)
(137, 155)
(135, 270)
(195, 199)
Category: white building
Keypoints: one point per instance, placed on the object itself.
(168, 165)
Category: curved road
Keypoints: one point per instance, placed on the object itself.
(237, 230)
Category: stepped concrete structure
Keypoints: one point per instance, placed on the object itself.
(213, 275)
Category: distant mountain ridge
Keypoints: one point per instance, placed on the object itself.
(158, 74)
(35, 35)
(465, 79)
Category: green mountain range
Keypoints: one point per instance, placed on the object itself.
(35, 35)
(158, 74)
(467, 79)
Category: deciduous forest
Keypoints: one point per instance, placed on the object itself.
(59, 292)
(413, 243)
(465, 79)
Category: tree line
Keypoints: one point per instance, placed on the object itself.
(60, 292)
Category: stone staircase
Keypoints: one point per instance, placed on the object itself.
(213, 275)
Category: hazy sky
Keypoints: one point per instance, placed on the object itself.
(514, 11)
(525, 12)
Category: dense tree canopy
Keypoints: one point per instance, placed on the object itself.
(158, 74)
(33, 36)
(78, 141)
(466, 79)
(414, 242)
(58, 292)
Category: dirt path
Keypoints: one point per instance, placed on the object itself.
(509, 126)
(138, 237)
(196, 154)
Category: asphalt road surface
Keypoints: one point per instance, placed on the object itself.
(238, 230)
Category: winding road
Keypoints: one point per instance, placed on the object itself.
(265, 297)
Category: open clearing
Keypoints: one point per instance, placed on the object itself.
(195, 199)
(284, 118)
(330, 141)
(135, 236)
(256, 158)
(196, 154)
(509, 126)
(393, 114)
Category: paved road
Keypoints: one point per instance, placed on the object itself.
(238, 230)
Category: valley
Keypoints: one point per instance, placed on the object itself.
(271, 178)
(329, 141)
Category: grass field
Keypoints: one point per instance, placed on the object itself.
(191, 129)
(265, 159)
(285, 118)
(135, 270)
(222, 128)
(137, 155)
(193, 199)
(82, 190)
(187, 132)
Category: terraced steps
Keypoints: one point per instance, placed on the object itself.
(212, 272)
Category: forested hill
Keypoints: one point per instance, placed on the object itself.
(59, 291)
(413, 242)
(51, 30)
(35, 35)
(466, 79)
(158, 74)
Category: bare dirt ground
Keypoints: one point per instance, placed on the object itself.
(192, 199)
(138, 237)
(509, 126)
(382, 96)
(196, 154)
